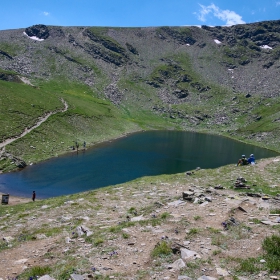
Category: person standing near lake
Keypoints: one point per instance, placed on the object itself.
(33, 196)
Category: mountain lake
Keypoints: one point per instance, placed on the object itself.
(127, 158)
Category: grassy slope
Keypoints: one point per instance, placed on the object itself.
(87, 119)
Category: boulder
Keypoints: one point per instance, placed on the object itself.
(188, 254)
(178, 264)
(40, 31)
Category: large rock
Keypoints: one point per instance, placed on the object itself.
(188, 254)
(40, 31)
(178, 264)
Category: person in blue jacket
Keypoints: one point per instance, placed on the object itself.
(251, 159)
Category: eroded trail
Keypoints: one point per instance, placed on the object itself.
(40, 121)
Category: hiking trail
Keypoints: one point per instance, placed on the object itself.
(40, 121)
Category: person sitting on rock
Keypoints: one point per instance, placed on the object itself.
(242, 161)
(251, 159)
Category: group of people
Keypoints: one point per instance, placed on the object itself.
(245, 161)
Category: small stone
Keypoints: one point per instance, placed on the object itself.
(8, 239)
(178, 264)
(67, 240)
(21, 261)
(222, 272)
(204, 277)
(46, 277)
(262, 261)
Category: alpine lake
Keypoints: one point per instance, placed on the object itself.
(140, 154)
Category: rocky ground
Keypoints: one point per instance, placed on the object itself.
(112, 233)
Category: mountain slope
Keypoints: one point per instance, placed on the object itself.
(117, 80)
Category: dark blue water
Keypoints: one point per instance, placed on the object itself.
(140, 154)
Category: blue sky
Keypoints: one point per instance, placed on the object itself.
(135, 13)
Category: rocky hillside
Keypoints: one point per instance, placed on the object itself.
(214, 79)
(220, 224)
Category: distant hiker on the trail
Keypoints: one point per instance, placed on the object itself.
(251, 159)
(84, 144)
(33, 196)
(77, 145)
(242, 161)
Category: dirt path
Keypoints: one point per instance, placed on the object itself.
(40, 121)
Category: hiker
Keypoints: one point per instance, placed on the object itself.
(33, 196)
(242, 161)
(251, 159)
(84, 144)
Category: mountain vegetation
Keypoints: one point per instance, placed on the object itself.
(221, 80)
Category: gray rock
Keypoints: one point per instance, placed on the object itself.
(270, 223)
(68, 239)
(79, 231)
(182, 277)
(41, 236)
(86, 230)
(204, 277)
(76, 277)
(188, 195)
(176, 203)
(187, 254)
(138, 218)
(8, 239)
(46, 277)
(222, 272)
(178, 264)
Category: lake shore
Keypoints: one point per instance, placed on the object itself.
(14, 200)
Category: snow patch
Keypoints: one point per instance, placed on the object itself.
(33, 37)
(187, 44)
(217, 41)
(266, 47)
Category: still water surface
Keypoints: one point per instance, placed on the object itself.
(140, 154)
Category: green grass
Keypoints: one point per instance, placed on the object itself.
(192, 232)
(275, 211)
(161, 249)
(35, 271)
(271, 246)
(249, 266)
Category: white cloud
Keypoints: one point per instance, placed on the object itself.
(229, 17)
(277, 3)
(46, 14)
